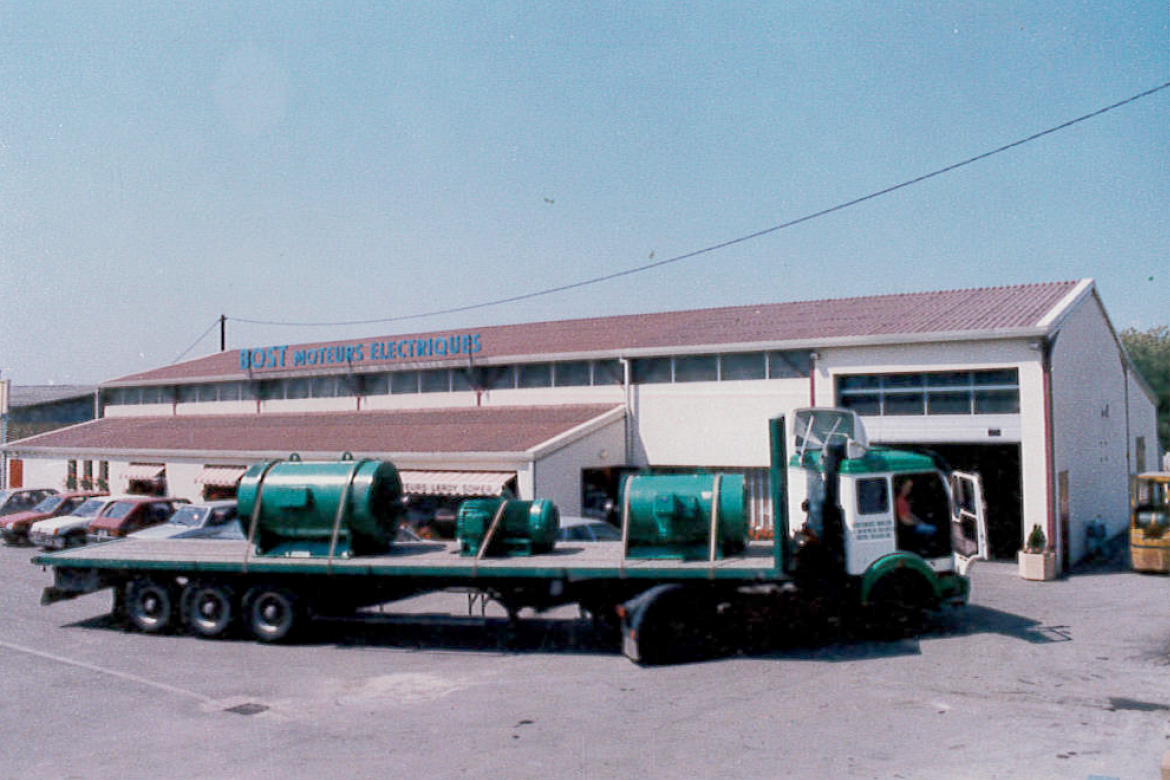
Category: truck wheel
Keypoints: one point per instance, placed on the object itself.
(210, 610)
(273, 614)
(897, 607)
(149, 605)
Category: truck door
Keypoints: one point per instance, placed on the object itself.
(968, 520)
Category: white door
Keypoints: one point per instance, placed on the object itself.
(968, 520)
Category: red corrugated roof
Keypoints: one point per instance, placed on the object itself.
(973, 312)
(462, 430)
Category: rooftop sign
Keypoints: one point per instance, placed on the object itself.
(284, 357)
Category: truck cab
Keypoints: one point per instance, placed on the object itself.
(899, 510)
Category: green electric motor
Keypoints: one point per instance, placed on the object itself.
(669, 516)
(523, 528)
(346, 507)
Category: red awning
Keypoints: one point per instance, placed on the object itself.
(455, 483)
(143, 472)
(220, 476)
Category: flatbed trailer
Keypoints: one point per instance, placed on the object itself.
(662, 601)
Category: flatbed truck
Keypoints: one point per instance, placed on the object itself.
(848, 552)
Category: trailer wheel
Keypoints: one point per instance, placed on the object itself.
(210, 610)
(273, 614)
(149, 605)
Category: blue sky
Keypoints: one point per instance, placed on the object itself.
(162, 164)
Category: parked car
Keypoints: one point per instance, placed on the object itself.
(22, 499)
(587, 529)
(14, 528)
(57, 533)
(193, 520)
(130, 514)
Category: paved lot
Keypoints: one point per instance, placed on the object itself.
(1069, 679)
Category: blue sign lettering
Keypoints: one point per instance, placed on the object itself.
(271, 358)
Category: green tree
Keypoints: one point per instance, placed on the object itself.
(1150, 352)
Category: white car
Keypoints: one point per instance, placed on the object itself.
(57, 533)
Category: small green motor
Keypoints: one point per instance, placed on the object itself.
(523, 528)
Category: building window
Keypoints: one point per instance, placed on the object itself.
(742, 366)
(696, 368)
(608, 372)
(648, 371)
(376, 384)
(932, 393)
(404, 382)
(575, 374)
(788, 365)
(499, 378)
(437, 381)
(323, 387)
(535, 375)
(461, 380)
(295, 388)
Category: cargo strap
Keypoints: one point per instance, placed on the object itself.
(256, 513)
(625, 529)
(714, 540)
(487, 538)
(341, 503)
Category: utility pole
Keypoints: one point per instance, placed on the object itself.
(4, 385)
(223, 333)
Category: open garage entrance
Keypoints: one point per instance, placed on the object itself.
(999, 467)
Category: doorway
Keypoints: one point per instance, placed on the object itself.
(999, 467)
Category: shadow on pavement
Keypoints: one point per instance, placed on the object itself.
(805, 640)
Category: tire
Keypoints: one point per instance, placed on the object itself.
(273, 614)
(897, 607)
(149, 606)
(210, 610)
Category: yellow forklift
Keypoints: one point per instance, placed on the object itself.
(1149, 528)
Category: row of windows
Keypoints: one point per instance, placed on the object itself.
(931, 393)
(581, 373)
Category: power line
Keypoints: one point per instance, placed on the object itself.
(723, 244)
(202, 336)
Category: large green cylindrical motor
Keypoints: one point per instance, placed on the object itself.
(296, 506)
(524, 527)
(670, 515)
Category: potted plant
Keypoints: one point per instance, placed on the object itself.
(1036, 561)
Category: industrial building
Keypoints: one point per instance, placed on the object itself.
(1028, 385)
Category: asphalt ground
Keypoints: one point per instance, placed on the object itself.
(1065, 679)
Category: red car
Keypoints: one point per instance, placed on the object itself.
(127, 515)
(14, 528)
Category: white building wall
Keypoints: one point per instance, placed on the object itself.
(557, 474)
(709, 423)
(45, 472)
(1089, 430)
(1143, 427)
(1026, 428)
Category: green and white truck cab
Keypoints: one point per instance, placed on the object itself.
(900, 511)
